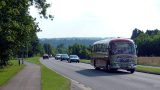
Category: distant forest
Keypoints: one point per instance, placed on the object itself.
(78, 46)
(69, 41)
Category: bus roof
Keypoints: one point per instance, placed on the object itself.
(107, 41)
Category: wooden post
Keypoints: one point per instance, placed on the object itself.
(19, 62)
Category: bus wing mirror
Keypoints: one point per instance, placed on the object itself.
(135, 46)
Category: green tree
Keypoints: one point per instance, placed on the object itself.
(33, 47)
(49, 49)
(17, 27)
(148, 43)
(80, 50)
(136, 32)
(61, 49)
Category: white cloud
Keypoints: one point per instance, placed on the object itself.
(105, 18)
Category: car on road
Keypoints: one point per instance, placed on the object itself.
(50, 56)
(73, 58)
(58, 56)
(64, 57)
(45, 56)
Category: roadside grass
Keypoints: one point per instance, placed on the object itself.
(138, 68)
(9, 71)
(34, 60)
(148, 69)
(85, 61)
(51, 80)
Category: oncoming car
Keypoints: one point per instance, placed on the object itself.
(45, 56)
(58, 56)
(64, 57)
(73, 58)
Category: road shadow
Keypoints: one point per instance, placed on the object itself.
(95, 73)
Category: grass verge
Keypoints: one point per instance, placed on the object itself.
(34, 60)
(138, 68)
(51, 80)
(9, 71)
(85, 61)
(148, 69)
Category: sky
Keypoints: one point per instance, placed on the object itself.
(98, 18)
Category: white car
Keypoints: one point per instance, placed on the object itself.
(73, 58)
(58, 56)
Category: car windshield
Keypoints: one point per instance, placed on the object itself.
(65, 55)
(73, 56)
(45, 55)
(58, 55)
(122, 48)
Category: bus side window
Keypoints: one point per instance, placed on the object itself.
(104, 48)
(98, 47)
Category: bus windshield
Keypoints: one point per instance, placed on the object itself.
(122, 48)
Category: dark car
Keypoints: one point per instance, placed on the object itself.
(58, 56)
(45, 56)
(64, 57)
(73, 58)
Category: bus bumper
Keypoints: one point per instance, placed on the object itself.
(123, 66)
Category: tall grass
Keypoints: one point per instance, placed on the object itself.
(85, 61)
(151, 61)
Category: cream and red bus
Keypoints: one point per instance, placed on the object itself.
(114, 54)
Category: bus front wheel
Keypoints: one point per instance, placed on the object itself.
(132, 71)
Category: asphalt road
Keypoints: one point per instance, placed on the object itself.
(102, 80)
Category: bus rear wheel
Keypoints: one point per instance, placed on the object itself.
(97, 68)
(108, 67)
(132, 71)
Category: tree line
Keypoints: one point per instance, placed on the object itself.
(148, 43)
(70, 41)
(82, 51)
